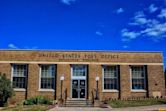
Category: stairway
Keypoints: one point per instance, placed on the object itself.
(78, 103)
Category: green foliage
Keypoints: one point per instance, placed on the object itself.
(6, 90)
(134, 103)
(37, 100)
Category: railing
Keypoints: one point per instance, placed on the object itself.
(65, 96)
(96, 94)
(93, 98)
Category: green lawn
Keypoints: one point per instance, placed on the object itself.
(26, 108)
(134, 103)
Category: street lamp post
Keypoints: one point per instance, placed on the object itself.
(97, 88)
(62, 79)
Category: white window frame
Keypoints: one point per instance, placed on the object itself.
(110, 90)
(137, 90)
(41, 89)
(12, 73)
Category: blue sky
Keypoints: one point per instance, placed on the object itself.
(130, 25)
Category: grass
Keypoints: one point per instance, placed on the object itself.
(134, 103)
(26, 108)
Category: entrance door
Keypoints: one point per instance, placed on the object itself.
(78, 89)
(78, 81)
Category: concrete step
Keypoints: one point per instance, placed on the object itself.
(78, 103)
(67, 105)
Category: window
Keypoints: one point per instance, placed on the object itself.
(138, 77)
(47, 77)
(110, 77)
(19, 76)
(79, 70)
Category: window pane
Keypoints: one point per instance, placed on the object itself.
(19, 76)
(138, 77)
(79, 70)
(110, 77)
(47, 76)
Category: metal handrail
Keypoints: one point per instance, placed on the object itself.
(93, 98)
(65, 96)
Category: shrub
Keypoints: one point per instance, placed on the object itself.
(30, 101)
(37, 100)
(6, 90)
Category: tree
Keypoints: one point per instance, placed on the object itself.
(6, 90)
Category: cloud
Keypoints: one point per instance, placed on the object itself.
(162, 13)
(153, 29)
(120, 10)
(128, 35)
(142, 25)
(152, 8)
(158, 30)
(12, 46)
(125, 46)
(68, 2)
(99, 33)
(139, 19)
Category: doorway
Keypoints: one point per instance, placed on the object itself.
(78, 82)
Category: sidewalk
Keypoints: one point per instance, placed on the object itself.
(141, 108)
(80, 109)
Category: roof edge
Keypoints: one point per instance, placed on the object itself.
(54, 50)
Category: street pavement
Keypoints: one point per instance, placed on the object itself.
(141, 108)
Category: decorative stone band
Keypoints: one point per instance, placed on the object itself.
(100, 63)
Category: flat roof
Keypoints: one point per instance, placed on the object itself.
(59, 50)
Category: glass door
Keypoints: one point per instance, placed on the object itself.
(78, 89)
(74, 88)
(82, 88)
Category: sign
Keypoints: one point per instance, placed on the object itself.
(86, 57)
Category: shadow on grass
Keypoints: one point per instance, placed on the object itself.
(162, 102)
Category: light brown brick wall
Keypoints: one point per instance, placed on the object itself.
(94, 70)
(6, 68)
(156, 80)
(155, 72)
(18, 96)
(124, 81)
(109, 95)
(33, 80)
(66, 70)
(93, 56)
(137, 95)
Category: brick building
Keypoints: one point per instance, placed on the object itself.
(50, 73)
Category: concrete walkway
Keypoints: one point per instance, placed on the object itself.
(79, 109)
(141, 108)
